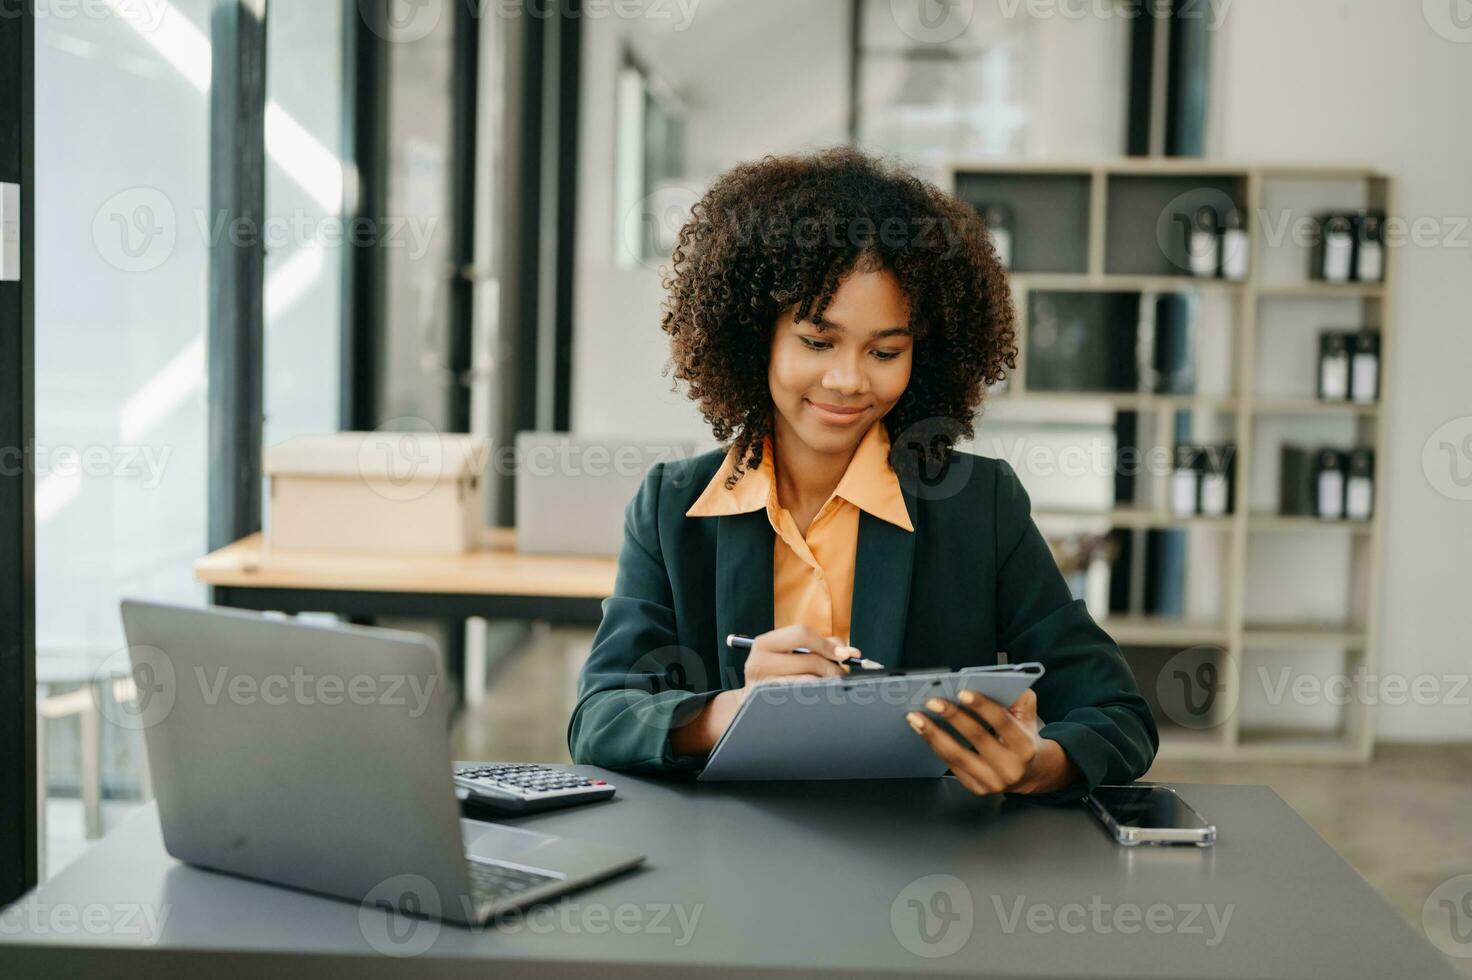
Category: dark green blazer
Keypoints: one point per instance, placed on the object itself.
(975, 578)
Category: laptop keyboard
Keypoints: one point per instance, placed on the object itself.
(497, 882)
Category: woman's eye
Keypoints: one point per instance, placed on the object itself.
(887, 355)
(815, 344)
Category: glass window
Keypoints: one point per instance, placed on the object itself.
(122, 192)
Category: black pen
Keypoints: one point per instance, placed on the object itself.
(738, 642)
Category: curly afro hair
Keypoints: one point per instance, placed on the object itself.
(780, 233)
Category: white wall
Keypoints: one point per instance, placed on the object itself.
(1373, 83)
(769, 76)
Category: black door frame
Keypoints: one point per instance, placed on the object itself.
(19, 846)
(237, 269)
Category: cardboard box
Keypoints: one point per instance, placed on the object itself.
(404, 492)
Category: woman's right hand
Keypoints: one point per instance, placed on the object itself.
(771, 656)
(770, 659)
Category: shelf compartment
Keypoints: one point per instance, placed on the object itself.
(1280, 635)
(1133, 517)
(1129, 401)
(1161, 631)
(1050, 214)
(1286, 523)
(1311, 406)
(1310, 289)
(1147, 216)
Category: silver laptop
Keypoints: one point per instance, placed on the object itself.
(571, 490)
(318, 757)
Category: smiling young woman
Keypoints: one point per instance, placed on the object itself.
(837, 320)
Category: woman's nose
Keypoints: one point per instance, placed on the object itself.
(847, 379)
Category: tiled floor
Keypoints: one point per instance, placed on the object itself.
(1404, 821)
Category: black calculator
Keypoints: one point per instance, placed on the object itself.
(524, 787)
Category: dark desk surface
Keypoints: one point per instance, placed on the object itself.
(772, 878)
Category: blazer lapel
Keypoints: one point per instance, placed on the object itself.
(882, 566)
(744, 545)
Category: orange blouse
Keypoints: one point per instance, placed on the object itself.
(813, 574)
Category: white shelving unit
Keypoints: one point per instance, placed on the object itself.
(1075, 205)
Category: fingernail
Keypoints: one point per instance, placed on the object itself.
(936, 705)
(916, 721)
(968, 697)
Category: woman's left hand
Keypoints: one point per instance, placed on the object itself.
(1010, 755)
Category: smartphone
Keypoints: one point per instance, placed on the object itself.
(1149, 815)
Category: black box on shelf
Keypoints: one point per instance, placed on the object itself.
(1297, 495)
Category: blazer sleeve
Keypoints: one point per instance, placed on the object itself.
(1087, 699)
(638, 683)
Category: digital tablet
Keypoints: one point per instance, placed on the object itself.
(849, 727)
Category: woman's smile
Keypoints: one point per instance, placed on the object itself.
(836, 414)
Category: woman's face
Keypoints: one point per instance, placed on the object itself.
(830, 382)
